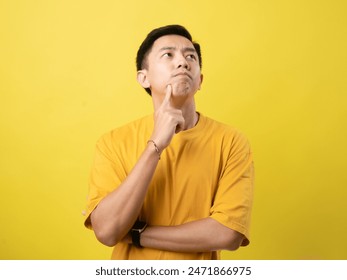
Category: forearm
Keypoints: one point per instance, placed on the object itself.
(198, 236)
(117, 212)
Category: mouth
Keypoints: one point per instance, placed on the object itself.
(182, 74)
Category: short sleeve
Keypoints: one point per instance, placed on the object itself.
(106, 174)
(232, 204)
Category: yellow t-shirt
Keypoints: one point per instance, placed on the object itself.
(206, 171)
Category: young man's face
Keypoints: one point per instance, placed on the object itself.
(173, 60)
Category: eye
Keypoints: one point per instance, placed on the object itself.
(191, 56)
(168, 54)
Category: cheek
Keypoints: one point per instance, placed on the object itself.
(158, 79)
(158, 71)
(197, 80)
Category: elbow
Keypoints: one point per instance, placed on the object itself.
(231, 241)
(105, 238)
(225, 238)
(104, 234)
(108, 236)
(232, 246)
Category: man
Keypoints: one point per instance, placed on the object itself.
(176, 184)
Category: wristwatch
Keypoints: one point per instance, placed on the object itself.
(136, 231)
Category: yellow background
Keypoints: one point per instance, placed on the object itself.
(274, 69)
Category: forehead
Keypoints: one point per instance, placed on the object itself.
(172, 41)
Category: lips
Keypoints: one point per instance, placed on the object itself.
(182, 74)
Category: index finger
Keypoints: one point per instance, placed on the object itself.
(167, 94)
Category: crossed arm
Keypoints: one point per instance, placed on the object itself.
(118, 211)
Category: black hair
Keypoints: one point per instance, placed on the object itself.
(156, 34)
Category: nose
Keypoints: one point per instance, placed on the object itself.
(182, 63)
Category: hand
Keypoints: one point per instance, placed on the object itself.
(167, 121)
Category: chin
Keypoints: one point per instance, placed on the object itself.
(182, 89)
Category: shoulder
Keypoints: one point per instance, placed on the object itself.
(134, 126)
(126, 132)
(225, 133)
(222, 129)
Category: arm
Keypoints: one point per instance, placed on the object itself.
(198, 236)
(227, 227)
(117, 212)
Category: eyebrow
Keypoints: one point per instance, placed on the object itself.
(186, 49)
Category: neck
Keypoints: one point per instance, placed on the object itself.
(191, 118)
(188, 109)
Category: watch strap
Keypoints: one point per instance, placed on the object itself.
(136, 231)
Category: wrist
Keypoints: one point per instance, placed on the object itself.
(136, 231)
(155, 147)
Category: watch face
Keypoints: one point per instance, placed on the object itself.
(139, 225)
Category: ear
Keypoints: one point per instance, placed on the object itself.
(142, 78)
(201, 79)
